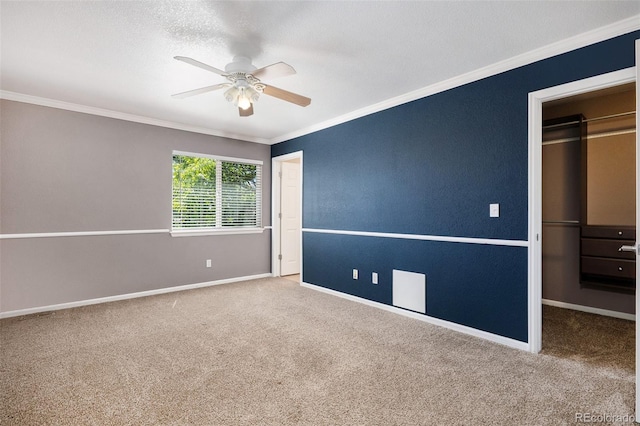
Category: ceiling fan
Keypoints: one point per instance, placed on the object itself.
(244, 84)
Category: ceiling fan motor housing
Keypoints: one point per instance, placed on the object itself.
(240, 64)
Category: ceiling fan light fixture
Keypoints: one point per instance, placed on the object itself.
(255, 95)
(244, 102)
(231, 95)
(243, 87)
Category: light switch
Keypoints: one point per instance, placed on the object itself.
(494, 210)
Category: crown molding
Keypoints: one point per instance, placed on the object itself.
(69, 106)
(563, 46)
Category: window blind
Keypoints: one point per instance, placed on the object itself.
(213, 193)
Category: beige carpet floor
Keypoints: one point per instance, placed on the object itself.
(269, 352)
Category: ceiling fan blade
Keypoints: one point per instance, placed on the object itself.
(279, 69)
(246, 112)
(199, 91)
(199, 65)
(286, 96)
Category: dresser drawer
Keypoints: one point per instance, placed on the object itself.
(608, 267)
(609, 232)
(605, 248)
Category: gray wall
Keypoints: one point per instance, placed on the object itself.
(63, 171)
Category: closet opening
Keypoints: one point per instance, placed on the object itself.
(588, 215)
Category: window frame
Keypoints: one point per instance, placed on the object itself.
(222, 230)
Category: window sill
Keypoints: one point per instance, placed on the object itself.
(205, 232)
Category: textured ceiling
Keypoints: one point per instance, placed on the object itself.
(118, 55)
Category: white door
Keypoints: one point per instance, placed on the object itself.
(290, 221)
(637, 228)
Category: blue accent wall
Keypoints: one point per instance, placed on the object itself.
(469, 284)
(433, 166)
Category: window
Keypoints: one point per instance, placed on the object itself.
(215, 193)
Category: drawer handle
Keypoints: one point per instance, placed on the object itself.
(633, 248)
(619, 268)
(619, 232)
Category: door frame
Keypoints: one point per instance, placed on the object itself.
(536, 99)
(276, 198)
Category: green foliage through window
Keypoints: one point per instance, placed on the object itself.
(213, 193)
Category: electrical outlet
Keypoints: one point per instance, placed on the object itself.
(374, 277)
(355, 274)
(208, 263)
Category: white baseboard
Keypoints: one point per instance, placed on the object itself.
(512, 343)
(589, 309)
(79, 303)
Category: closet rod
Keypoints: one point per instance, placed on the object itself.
(611, 133)
(604, 117)
(591, 136)
(561, 222)
(561, 140)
